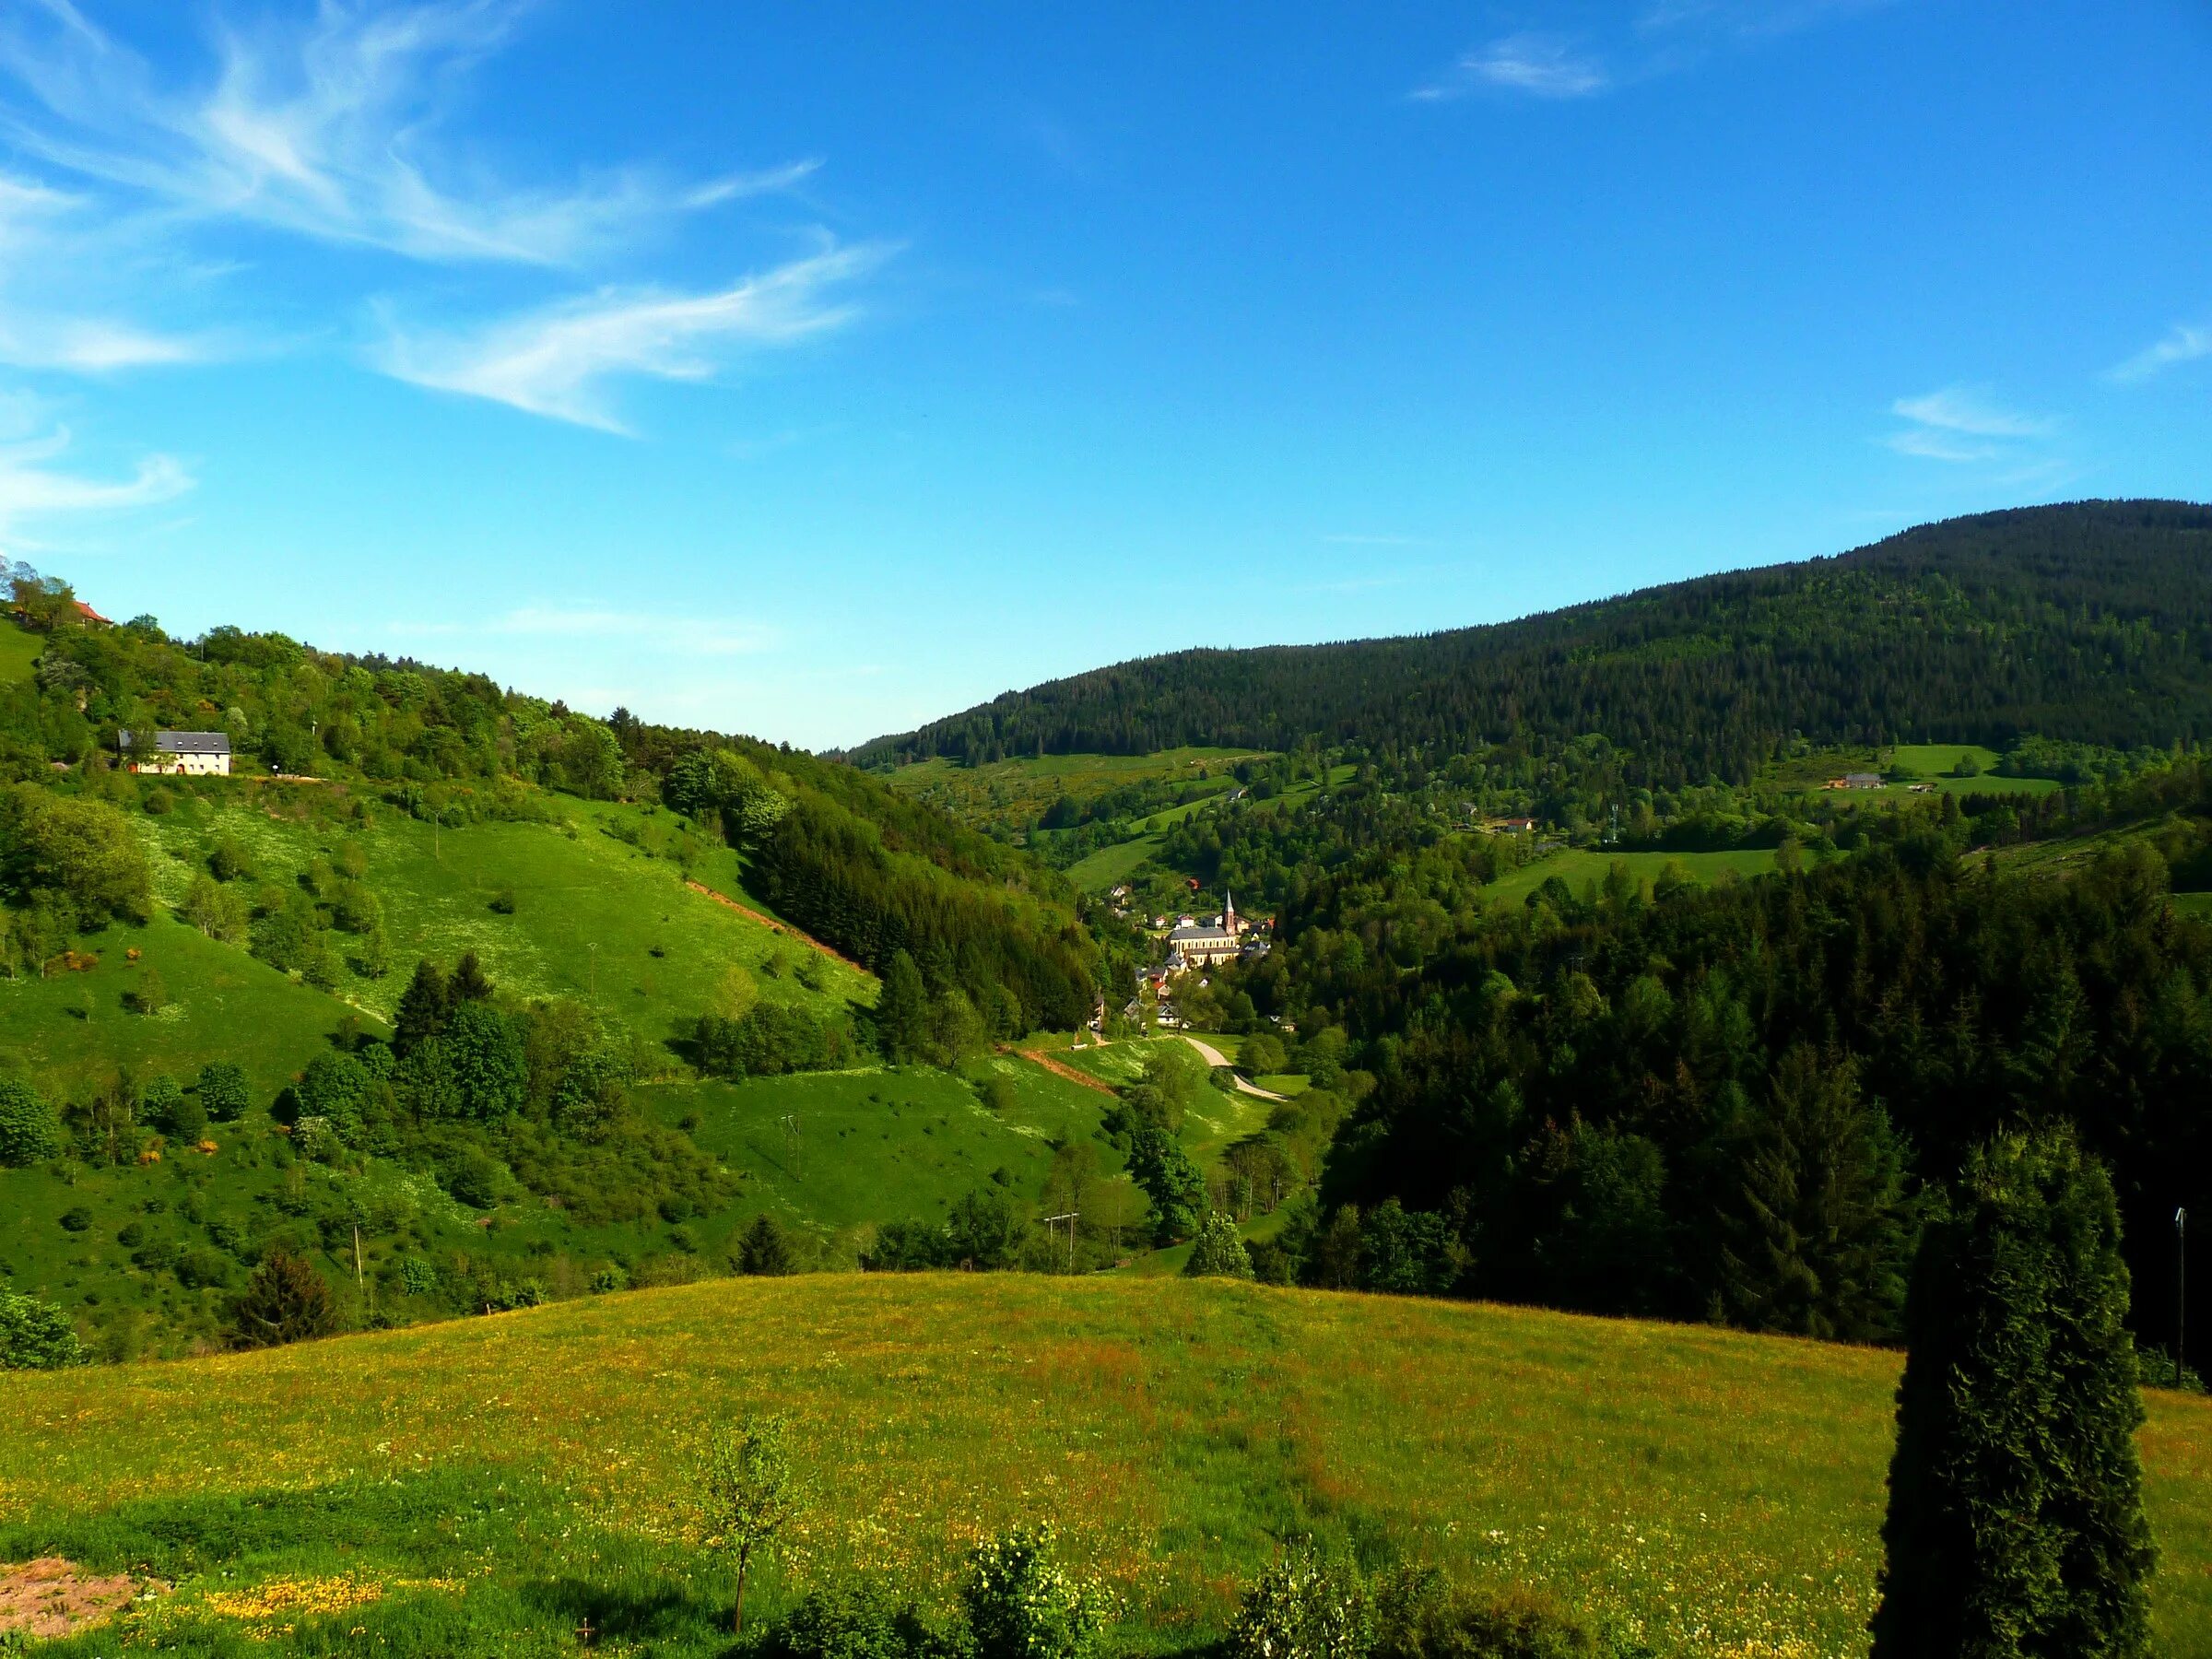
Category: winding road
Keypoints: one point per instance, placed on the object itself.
(1213, 1056)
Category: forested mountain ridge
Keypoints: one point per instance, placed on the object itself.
(2090, 621)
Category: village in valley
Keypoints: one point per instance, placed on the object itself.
(1188, 946)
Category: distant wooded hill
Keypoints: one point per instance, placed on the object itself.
(2091, 621)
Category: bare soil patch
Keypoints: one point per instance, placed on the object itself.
(51, 1597)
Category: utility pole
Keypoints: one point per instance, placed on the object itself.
(1070, 1217)
(792, 1146)
(2180, 1291)
(593, 947)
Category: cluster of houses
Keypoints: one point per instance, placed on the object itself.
(1195, 942)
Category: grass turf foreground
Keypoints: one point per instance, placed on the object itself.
(486, 1487)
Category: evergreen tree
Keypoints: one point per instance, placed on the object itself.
(2016, 1520)
(468, 984)
(765, 1248)
(1820, 1238)
(285, 1301)
(423, 1008)
(903, 1011)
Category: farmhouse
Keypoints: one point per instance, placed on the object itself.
(195, 754)
(1855, 780)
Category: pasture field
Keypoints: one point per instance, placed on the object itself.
(70, 1031)
(833, 1151)
(1580, 866)
(1936, 759)
(596, 917)
(1914, 762)
(1015, 793)
(1099, 872)
(19, 647)
(485, 1486)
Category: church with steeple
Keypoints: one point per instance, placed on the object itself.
(1194, 943)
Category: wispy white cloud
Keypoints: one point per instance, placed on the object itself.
(329, 128)
(1542, 65)
(1960, 424)
(1664, 38)
(556, 361)
(92, 344)
(2185, 344)
(1962, 409)
(33, 487)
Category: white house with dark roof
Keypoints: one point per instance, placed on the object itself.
(192, 754)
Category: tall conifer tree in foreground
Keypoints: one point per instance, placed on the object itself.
(2016, 1520)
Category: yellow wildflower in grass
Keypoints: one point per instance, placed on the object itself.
(291, 1598)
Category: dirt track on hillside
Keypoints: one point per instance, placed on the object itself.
(1060, 1068)
(773, 925)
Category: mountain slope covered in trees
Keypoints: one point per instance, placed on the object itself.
(2091, 621)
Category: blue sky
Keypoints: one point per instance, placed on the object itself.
(812, 371)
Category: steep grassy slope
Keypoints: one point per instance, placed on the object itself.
(482, 1487)
(18, 650)
(2087, 621)
(596, 916)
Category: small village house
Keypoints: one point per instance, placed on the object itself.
(192, 754)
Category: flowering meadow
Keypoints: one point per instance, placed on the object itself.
(498, 1485)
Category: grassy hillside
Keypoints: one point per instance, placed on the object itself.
(596, 916)
(842, 1149)
(1014, 794)
(481, 1488)
(18, 650)
(601, 915)
(1579, 866)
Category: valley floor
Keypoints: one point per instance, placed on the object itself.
(480, 1486)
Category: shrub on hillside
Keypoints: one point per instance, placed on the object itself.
(83, 852)
(860, 1620)
(222, 1090)
(1022, 1603)
(36, 1336)
(1218, 1249)
(907, 1247)
(1419, 1616)
(168, 1108)
(768, 1040)
(29, 1132)
(1302, 1607)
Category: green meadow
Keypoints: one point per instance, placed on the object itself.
(837, 1152)
(72, 1029)
(1101, 871)
(597, 915)
(485, 1486)
(1578, 866)
(19, 649)
(1015, 794)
